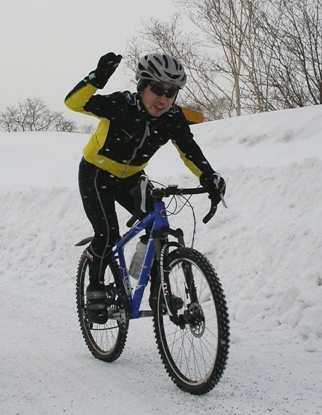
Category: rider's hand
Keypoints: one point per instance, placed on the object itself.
(215, 184)
(105, 68)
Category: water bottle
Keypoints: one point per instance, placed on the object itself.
(136, 261)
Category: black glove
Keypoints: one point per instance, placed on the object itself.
(215, 184)
(105, 68)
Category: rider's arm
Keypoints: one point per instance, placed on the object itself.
(82, 99)
(188, 149)
(79, 96)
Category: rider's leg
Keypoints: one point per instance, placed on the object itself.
(125, 199)
(128, 203)
(97, 189)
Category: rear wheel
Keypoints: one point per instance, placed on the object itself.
(194, 342)
(105, 341)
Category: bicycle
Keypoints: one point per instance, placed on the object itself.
(190, 316)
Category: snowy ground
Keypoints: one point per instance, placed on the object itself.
(266, 248)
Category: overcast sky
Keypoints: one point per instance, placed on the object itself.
(48, 46)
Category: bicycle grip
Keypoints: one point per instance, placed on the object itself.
(213, 196)
(210, 214)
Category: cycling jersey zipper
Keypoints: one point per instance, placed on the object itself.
(145, 135)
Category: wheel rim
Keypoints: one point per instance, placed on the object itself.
(103, 338)
(191, 349)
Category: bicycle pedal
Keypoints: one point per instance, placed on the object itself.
(97, 316)
(96, 306)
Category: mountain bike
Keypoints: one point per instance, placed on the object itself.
(190, 316)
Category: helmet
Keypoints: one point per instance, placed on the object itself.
(161, 67)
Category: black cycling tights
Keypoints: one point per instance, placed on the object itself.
(99, 191)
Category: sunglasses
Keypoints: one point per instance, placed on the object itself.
(159, 90)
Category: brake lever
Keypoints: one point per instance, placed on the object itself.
(210, 214)
(213, 207)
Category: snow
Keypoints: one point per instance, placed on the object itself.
(266, 248)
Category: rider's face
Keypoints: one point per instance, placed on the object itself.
(157, 105)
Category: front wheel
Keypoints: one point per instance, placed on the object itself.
(105, 341)
(194, 341)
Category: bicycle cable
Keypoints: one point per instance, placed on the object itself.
(176, 210)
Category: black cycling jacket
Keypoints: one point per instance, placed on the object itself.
(127, 136)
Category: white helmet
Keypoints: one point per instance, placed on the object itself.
(161, 67)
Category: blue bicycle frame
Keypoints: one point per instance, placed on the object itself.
(158, 218)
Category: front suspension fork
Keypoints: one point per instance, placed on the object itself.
(162, 252)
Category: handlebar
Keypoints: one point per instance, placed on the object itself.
(172, 190)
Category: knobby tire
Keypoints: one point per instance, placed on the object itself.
(195, 351)
(105, 341)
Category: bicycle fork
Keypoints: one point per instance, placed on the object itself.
(162, 252)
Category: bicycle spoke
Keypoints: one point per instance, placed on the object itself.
(189, 343)
(105, 341)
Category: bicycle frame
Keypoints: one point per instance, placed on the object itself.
(190, 316)
(158, 218)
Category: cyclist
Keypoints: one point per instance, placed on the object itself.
(131, 128)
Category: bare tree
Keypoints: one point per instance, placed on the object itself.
(214, 61)
(203, 90)
(86, 128)
(245, 55)
(225, 26)
(256, 60)
(63, 125)
(34, 115)
(295, 75)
